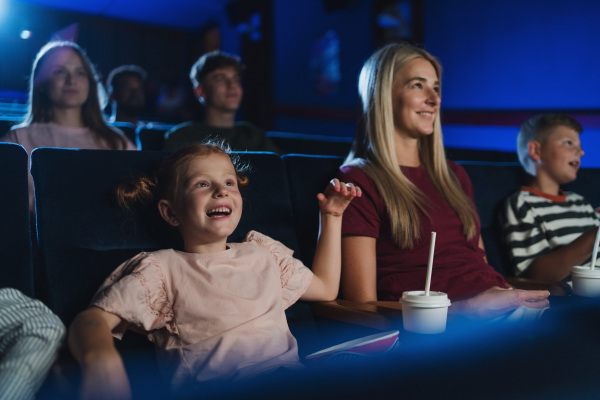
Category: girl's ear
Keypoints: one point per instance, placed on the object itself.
(534, 149)
(167, 213)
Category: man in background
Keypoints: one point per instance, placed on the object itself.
(125, 86)
(216, 79)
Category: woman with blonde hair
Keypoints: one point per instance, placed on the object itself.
(411, 190)
(65, 107)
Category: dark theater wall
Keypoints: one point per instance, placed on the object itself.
(297, 28)
(515, 54)
(503, 61)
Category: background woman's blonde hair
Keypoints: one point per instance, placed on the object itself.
(373, 149)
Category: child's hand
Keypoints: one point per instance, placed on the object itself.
(337, 197)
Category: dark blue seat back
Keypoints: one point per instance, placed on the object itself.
(7, 122)
(479, 155)
(308, 175)
(267, 207)
(301, 143)
(15, 236)
(128, 129)
(587, 185)
(493, 183)
(82, 234)
(152, 137)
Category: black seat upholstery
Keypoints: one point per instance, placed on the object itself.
(308, 175)
(493, 183)
(152, 137)
(15, 236)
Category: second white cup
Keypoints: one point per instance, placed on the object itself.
(424, 314)
(586, 281)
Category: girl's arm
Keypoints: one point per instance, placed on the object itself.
(326, 267)
(91, 343)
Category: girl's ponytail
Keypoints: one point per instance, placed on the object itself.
(136, 191)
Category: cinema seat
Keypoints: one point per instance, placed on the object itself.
(15, 237)
(152, 137)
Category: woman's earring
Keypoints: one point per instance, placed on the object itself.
(174, 221)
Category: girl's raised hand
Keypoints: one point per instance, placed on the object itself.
(337, 196)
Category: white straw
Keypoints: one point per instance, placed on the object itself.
(595, 253)
(430, 264)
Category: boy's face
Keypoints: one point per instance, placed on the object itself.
(559, 155)
(221, 89)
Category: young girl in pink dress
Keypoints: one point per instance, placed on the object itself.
(216, 309)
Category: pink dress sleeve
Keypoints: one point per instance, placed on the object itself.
(295, 277)
(136, 292)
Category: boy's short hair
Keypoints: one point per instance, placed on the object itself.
(121, 71)
(211, 61)
(538, 128)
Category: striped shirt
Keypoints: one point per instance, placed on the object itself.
(30, 336)
(535, 224)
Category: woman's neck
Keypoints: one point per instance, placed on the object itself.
(407, 151)
(71, 117)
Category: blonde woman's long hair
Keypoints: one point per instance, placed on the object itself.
(373, 149)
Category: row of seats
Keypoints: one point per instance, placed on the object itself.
(16, 268)
(151, 137)
(82, 236)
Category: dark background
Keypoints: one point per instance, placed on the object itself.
(503, 61)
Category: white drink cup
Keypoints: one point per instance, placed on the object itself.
(586, 281)
(424, 314)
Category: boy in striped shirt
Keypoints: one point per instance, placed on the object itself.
(547, 230)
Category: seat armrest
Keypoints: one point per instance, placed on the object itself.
(363, 314)
(555, 288)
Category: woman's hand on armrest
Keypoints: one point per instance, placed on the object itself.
(497, 301)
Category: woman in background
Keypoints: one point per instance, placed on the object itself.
(64, 106)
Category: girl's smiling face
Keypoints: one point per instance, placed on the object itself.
(210, 205)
